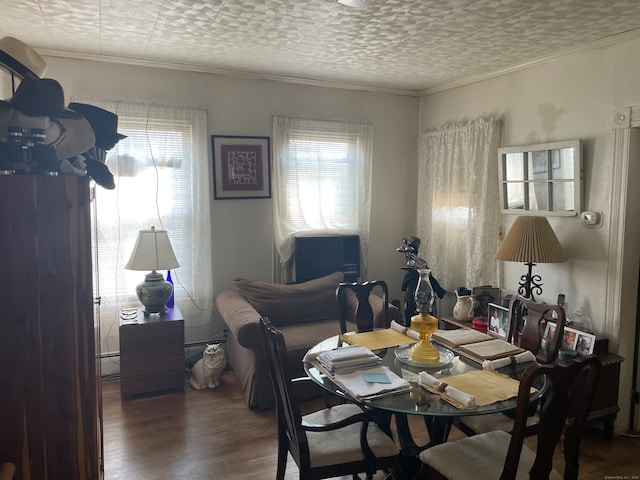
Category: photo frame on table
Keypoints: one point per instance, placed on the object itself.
(550, 330)
(585, 342)
(241, 167)
(499, 321)
(485, 295)
(569, 338)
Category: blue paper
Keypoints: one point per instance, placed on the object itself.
(376, 378)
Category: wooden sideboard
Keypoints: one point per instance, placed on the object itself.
(51, 425)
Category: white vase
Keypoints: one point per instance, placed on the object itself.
(463, 309)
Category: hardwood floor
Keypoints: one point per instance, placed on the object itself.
(211, 434)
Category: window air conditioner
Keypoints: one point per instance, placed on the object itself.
(322, 255)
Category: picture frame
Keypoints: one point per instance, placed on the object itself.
(550, 330)
(499, 321)
(585, 343)
(241, 167)
(569, 338)
(484, 296)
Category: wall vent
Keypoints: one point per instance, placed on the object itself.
(322, 255)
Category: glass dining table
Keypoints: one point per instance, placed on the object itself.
(438, 415)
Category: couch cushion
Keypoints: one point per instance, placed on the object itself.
(297, 303)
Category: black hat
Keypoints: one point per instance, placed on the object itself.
(103, 122)
(40, 97)
(41, 100)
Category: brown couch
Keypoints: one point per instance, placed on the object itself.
(306, 313)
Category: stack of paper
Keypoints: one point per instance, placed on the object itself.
(347, 359)
(372, 383)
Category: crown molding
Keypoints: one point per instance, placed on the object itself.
(604, 42)
(226, 72)
(612, 40)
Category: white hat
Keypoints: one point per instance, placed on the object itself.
(20, 58)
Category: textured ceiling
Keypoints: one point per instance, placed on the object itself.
(387, 44)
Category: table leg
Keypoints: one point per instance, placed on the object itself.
(438, 428)
(408, 463)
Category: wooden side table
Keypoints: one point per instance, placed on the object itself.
(151, 354)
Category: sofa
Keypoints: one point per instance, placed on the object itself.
(306, 313)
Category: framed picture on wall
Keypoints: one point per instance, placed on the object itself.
(241, 167)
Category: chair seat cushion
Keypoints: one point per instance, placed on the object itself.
(343, 445)
(484, 456)
(494, 421)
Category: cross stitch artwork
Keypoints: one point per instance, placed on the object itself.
(241, 166)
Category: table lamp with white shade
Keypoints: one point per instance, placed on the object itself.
(531, 240)
(153, 251)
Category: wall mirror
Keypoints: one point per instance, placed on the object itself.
(541, 179)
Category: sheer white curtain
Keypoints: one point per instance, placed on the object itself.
(321, 181)
(162, 175)
(458, 202)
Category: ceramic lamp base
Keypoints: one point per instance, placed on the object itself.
(153, 293)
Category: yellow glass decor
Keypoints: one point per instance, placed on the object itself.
(424, 351)
(423, 322)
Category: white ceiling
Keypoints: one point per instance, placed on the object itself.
(392, 45)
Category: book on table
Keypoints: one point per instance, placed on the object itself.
(460, 336)
(475, 345)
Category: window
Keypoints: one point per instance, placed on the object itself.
(544, 178)
(322, 176)
(161, 172)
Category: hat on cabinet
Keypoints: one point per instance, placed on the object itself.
(103, 122)
(20, 58)
(43, 99)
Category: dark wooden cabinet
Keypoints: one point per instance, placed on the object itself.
(48, 376)
(152, 354)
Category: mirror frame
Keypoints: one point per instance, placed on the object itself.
(526, 156)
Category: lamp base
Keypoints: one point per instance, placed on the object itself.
(153, 293)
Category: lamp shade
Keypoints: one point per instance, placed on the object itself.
(531, 240)
(152, 251)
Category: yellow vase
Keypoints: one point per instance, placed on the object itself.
(424, 351)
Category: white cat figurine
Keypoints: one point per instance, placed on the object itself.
(207, 371)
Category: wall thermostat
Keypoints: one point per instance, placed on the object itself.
(591, 218)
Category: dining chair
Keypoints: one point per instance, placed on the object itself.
(532, 317)
(500, 455)
(354, 306)
(336, 441)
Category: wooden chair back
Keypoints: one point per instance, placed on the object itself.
(537, 315)
(354, 306)
(292, 427)
(291, 436)
(563, 414)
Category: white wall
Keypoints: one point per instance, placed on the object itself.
(570, 98)
(242, 234)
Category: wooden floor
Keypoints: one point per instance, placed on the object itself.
(211, 434)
